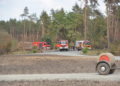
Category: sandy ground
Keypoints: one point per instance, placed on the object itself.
(53, 64)
(46, 64)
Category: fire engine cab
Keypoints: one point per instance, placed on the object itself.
(62, 45)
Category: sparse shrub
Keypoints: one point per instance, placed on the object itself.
(8, 47)
(34, 49)
(85, 50)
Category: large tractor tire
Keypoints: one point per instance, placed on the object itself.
(113, 69)
(103, 69)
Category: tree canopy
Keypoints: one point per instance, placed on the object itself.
(72, 26)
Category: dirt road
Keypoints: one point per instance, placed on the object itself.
(55, 52)
(52, 67)
(60, 77)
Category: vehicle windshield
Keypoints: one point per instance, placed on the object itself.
(87, 43)
(47, 43)
(77, 43)
(63, 42)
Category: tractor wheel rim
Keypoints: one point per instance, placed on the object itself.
(103, 69)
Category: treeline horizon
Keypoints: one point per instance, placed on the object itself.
(86, 23)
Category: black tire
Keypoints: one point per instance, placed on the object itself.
(103, 68)
(61, 50)
(112, 71)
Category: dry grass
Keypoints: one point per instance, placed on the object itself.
(97, 52)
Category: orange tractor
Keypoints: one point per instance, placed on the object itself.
(106, 64)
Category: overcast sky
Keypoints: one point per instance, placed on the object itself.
(13, 8)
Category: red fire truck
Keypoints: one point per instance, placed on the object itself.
(42, 45)
(62, 45)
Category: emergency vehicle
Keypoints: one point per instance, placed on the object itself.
(83, 44)
(41, 45)
(62, 45)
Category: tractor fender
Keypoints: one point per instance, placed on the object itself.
(106, 57)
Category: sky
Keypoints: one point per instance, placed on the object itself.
(14, 8)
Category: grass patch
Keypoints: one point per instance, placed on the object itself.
(96, 52)
(20, 52)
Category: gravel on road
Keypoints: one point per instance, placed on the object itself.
(60, 77)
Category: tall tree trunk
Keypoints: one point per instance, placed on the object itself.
(33, 35)
(112, 22)
(117, 31)
(85, 20)
(11, 32)
(116, 27)
(23, 37)
(43, 30)
(29, 32)
(37, 38)
(108, 26)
